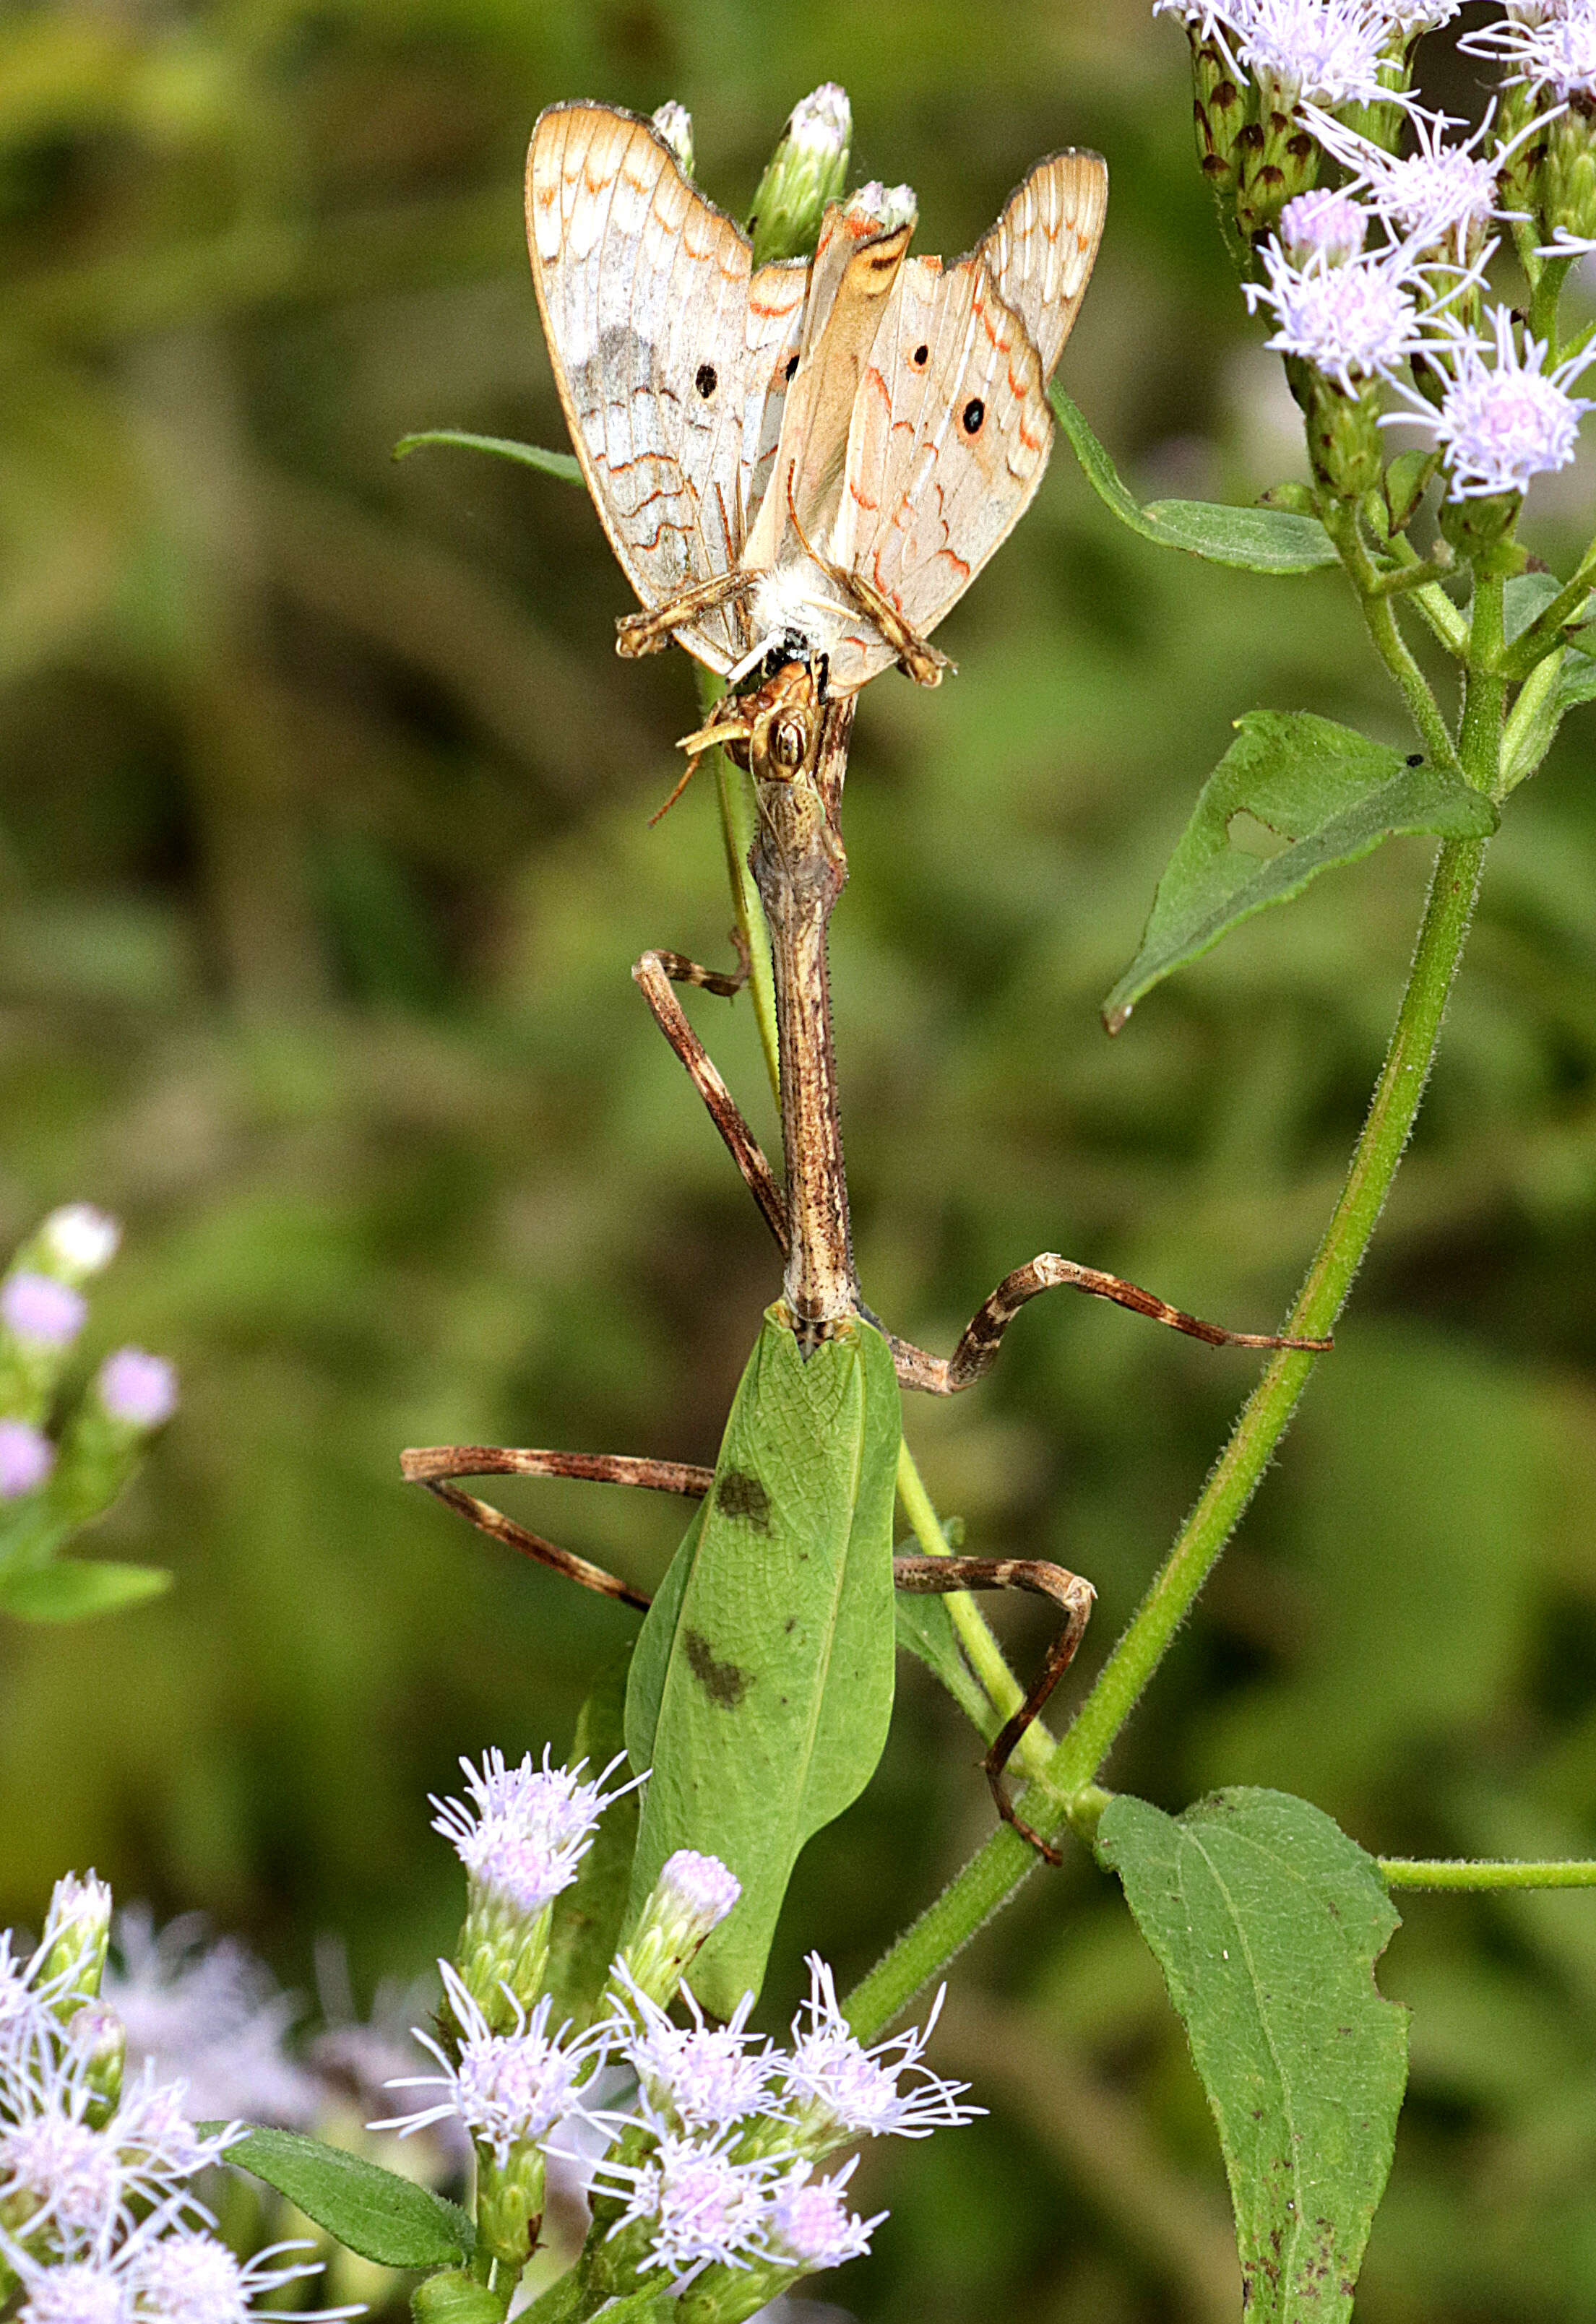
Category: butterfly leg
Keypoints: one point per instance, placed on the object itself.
(654, 974)
(650, 632)
(937, 1576)
(977, 1350)
(437, 1466)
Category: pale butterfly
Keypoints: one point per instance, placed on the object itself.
(810, 462)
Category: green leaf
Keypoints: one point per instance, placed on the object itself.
(372, 2211)
(1328, 795)
(1259, 539)
(72, 1589)
(588, 1916)
(563, 464)
(1576, 680)
(1266, 1922)
(761, 1683)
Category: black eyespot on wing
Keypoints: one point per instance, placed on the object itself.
(973, 413)
(791, 366)
(704, 380)
(922, 356)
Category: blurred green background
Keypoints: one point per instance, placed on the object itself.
(323, 860)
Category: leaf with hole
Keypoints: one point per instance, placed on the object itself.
(1257, 539)
(374, 2212)
(1293, 795)
(1266, 1922)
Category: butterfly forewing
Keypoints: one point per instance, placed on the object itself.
(1042, 249)
(671, 357)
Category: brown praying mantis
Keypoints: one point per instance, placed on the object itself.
(761, 1683)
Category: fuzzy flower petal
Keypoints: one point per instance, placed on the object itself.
(1504, 418)
(848, 2090)
(509, 2090)
(527, 1828)
(1354, 321)
(704, 2077)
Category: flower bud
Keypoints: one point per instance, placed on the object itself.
(1344, 447)
(26, 1458)
(1324, 225)
(139, 1392)
(691, 1898)
(76, 1931)
(1481, 527)
(509, 2203)
(1568, 173)
(453, 2296)
(675, 124)
(99, 2044)
(1278, 159)
(804, 173)
(76, 1242)
(1219, 111)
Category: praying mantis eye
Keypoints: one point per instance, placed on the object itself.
(788, 742)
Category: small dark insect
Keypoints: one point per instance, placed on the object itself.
(1416, 758)
(791, 366)
(922, 356)
(704, 380)
(973, 413)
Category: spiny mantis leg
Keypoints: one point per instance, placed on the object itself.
(654, 974)
(976, 1353)
(437, 1465)
(938, 1576)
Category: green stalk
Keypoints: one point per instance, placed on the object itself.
(1340, 523)
(1005, 1861)
(1543, 305)
(1456, 1872)
(734, 792)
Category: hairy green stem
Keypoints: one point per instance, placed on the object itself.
(1479, 1873)
(1379, 618)
(999, 1867)
(736, 795)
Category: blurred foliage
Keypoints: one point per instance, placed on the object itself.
(323, 858)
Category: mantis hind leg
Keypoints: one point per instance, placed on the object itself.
(650, 632)
(940, 1576)
(437, 1466)
(654, 976)
(977, 1350)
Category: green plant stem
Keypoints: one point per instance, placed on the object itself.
(1543, 305)
(1457, 1872)
(1005, 1861)
(1485, 697)
(985, 1656)
(736, 796)
(1379, 618)
(1543, 637)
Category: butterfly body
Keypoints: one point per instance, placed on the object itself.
(803, 463)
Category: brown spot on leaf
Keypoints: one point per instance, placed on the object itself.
(725, 1683)
(739, 1495)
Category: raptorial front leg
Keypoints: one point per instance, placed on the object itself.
(940, 1576)
(984, 1335)
(437, 1466)
(654, 974)
(651, 632)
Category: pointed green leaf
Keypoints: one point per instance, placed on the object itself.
(562, 465)
(1266, 1922)
(72, 1589)
(1576, 680)
(589, 1914)
(1326, 794)
(372, 2211)
(1259, 539)
(761, 1684)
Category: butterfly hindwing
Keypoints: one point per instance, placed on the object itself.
(669, 355)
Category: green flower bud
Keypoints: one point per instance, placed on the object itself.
(1568, 173)
(1344, 447)
(509, 2203)
(1279, 159)
(692, 1896)
(454, 2297)
(99, 2039)
(503, 1948)
(804, 173)
(76, 1931)
(1219, 113)
(675, 124)
(1519, 182)
(1481, 527)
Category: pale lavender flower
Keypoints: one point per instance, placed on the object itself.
(1443, 193)
(40, 1311)
(79, 2292)
(674, 123)
(1504, 418)
(79, 1240)
(527, 1829)
(138, 1389)
(848, 2090)
(210, 2013)
(509, 2090)
(1354, 321)
(57, 2168)
(1554, 49)
(26, 2006)
(1325, 52)
(808, 2223)
(1323, 224)
(188, 2277)
(704, 2208)
(1408, 18)
(708, 2077)
(27, 1456)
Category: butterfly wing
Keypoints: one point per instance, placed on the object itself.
(669, 354)
(951, 429)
